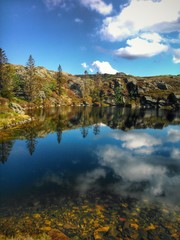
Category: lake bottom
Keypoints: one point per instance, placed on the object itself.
(88, 216)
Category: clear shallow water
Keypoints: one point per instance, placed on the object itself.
(110, 169)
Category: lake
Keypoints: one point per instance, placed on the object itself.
(91, 173)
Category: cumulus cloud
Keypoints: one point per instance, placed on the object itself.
(176, 55)
(133, 140)
(98, 66)
(98, 5)
(142, 16)
(104, 67)
(147, 45)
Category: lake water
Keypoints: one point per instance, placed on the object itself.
(91, 173)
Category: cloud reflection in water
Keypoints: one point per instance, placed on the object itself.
(140, 163)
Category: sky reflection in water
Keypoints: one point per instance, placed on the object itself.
(89, 156)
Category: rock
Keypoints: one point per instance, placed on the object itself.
(172, 99)
(131, 80)
(150, 99)
(36, 215)
(162, 102)
(110, 101)
(132, 90)
(45, 229)
(141, 90)
(100, 232)
(148, 102)
(57, 235)
(76, 89)
(161, 86)
(177, 96)
(69, 226)
(16, 107)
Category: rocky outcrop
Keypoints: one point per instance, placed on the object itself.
(16, 108)
(106, 89)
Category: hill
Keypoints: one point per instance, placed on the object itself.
(105, 89)
(86, 90)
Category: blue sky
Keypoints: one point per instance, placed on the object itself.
(139, 37)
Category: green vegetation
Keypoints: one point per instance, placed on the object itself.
(30, 87)
(7, 77)
(118, 96)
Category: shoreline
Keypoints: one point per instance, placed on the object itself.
(22, 117)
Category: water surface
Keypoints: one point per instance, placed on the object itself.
(92, 173)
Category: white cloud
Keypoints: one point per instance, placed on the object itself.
(142, 15)
(147, 45)
(176, 55)
(145, 150)
(84, 65)
(132, 168)
(134, 140)
(175, 153)
(91, 70)
(152, 37)
(78, 20)
(173, 135)
(104, 67)
(98, 5)
(86, 181)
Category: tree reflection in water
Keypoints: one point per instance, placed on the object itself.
(5, 149)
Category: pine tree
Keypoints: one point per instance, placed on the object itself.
(30, 88)
(7, 76)
(59, 80)
(3, 57)
(3, 62)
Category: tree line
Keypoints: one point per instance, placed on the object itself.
(28, 88)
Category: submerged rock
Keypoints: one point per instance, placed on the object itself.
(57, 235)
(100, 232)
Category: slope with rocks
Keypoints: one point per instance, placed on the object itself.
(104, 89)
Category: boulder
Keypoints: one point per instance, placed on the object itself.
(132, 90)
(172, 99)
(161, 86)
(76, 89)
(16, 107)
